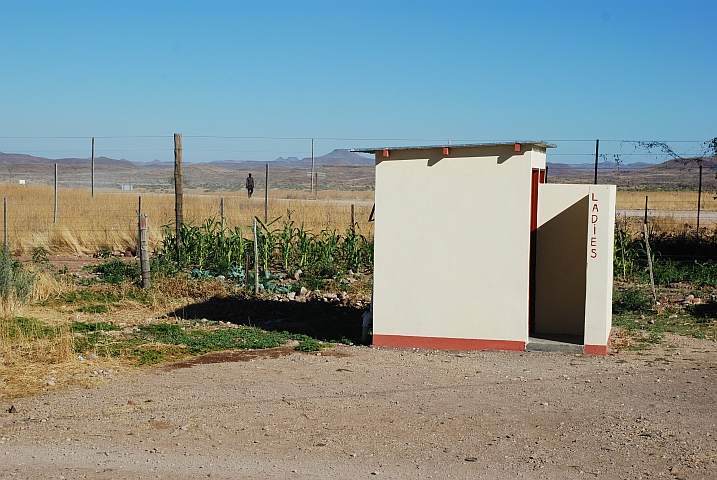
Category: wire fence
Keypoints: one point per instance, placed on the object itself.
(109, 222)
(679, 177)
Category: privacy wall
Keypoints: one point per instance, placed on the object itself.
(573, 271)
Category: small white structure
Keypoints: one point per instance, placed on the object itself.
(21, 182)
(474, 251)
(127, 186)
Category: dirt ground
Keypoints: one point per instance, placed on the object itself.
(361, 412)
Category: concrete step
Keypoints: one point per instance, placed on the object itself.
(546, 345)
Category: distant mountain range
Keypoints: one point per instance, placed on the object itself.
(611, 166)
(337, 157)
(340, 169)
(709, 163)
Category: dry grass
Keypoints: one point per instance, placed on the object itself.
(109, 221)
(40, 355)
(30, 357)
(665, 201)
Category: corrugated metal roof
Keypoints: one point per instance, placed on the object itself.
(539, 143)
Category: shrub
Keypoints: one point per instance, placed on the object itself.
(309, 345)
(631, 300)
(15, 283)
(117, 271)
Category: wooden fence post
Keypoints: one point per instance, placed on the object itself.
(353, 218)
(178, 190)
(312, 166)
(54, 220)
(4, 220)
(139, 230)
(649, 254)
(699, 202)
(256, 261)
(246, 269)
(144, 251)
(221, 212)
(93, 167)
(597, 151)
(266, 196)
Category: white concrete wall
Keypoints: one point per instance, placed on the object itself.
(452, 243)
(600, 247)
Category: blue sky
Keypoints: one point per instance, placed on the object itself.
(352, 74)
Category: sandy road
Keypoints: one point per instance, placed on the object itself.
(359, 412)
(706, 217)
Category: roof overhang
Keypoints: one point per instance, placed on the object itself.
(453, 146)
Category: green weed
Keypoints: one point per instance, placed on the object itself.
(161, 342)
(309, 345)
(25, 328)
(116, 271)
(631, 300)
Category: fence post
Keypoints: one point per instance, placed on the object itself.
(4, 220)
(649, 254)
(266, 196)
(312, 166)
(699, 202)
(178, 190)
(246, 269)
(93, 167)
(221, 212)
(353, 218)
(256, 262)
(144, 251)
(597, 150)
(54, 220)
(139, 223)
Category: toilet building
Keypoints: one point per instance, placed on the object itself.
(474, 251)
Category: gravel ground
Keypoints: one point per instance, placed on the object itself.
(359, 412)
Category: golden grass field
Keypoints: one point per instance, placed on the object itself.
(665, 201)
(109, 221)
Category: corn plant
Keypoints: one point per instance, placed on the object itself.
(286, 241)
(266, 242)
(627, 253)
(324, 251)
(353, 248)
(209, 250)
(304, 245)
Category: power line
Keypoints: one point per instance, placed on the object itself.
(271, 137)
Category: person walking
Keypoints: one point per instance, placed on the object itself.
(249, 185)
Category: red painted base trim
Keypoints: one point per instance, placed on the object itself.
(595, 350)
(441, 343)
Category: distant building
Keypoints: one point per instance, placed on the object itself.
(21, 182)
(127, 186)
